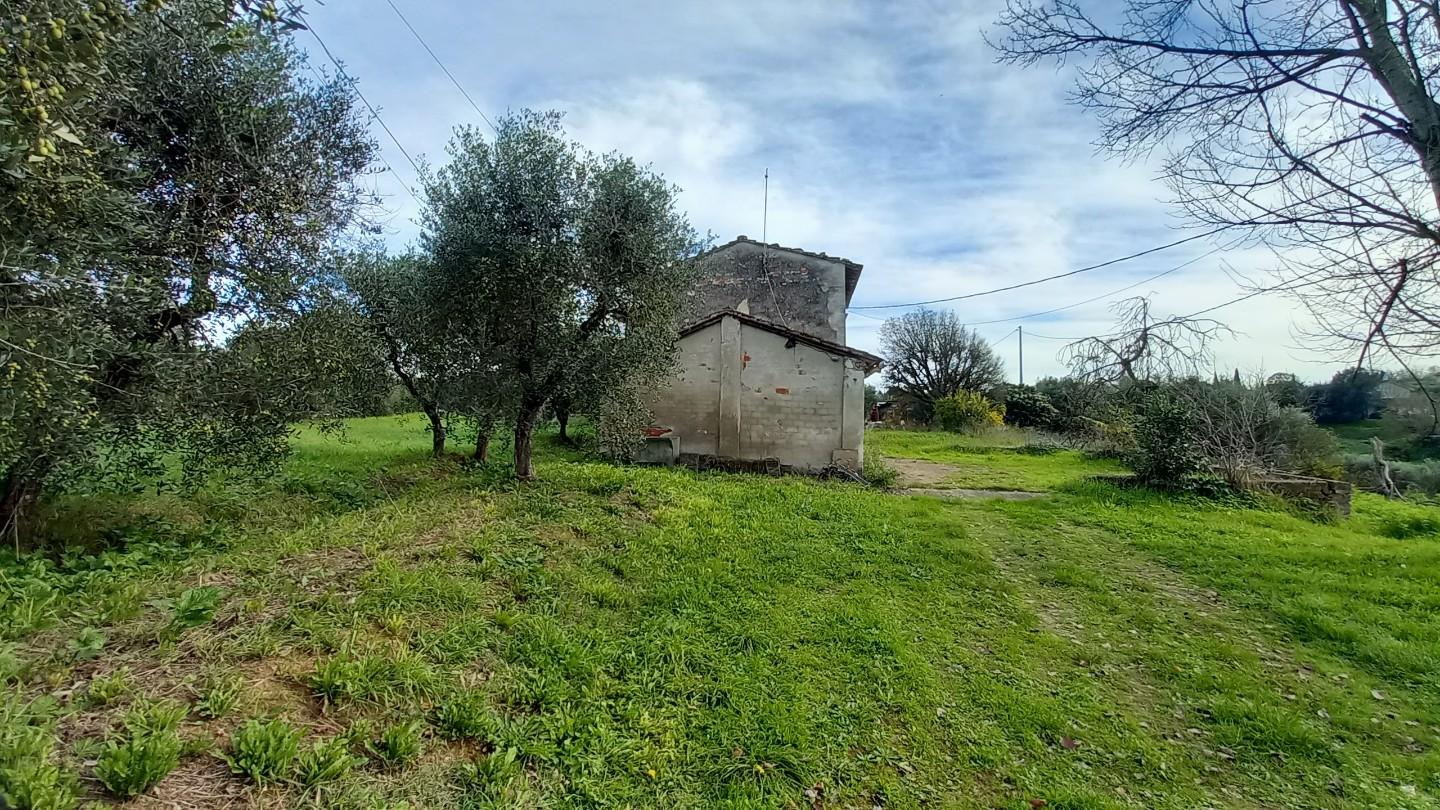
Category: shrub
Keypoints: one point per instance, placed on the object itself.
(1350, 396)
(264, 751)
(1166, 452)
(1299, 445)
(1414, 478)
(325, 761)
(398, 744)
(1077, 404)
(1406, 526)
(967, 410)
(1028, 408)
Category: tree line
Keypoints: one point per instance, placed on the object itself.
(185, 270)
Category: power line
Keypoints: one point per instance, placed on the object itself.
(1033, 282)
(444, 69)
(320, 77)
(1128, 287)
(1208, 310)
(356, 85)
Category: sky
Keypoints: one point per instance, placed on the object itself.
(890, 134)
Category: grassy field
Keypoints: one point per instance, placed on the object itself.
(1001, 460)
(624, 637)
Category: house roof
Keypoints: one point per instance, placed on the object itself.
(852, 269)
(872, 362)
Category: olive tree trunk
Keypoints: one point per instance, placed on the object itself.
(524, 438)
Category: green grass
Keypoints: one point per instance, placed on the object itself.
(1355, 436)
(618, 637)
(1001, 460)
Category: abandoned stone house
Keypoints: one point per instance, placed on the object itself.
(763, 376)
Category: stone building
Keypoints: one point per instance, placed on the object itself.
(764, 378)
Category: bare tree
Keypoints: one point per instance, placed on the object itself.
(1143, 347)
(930, 355)
(1311, 126)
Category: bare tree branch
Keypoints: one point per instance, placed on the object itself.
(1310, 126)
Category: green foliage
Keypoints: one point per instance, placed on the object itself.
(398, 744)
(87, 645)
(264, 751)
(1350, 396)
(1028, 408)
(220, 696)
(1167, 451)
(877, 473)
(132, 766)
(325, 761)
(154, 717)
(32, 774)
(467, 715)
(589, 308)
(1286, 390)
(196, 606)
(965, 411)
(1404, 527)
(127, 247)
(371, 677)
(106, 689)
(930, 355)
(149, 750)
(1300, 445)
(489, 775)
(1414, 478)
(1079, 404)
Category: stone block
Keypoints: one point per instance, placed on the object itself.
(659, 450)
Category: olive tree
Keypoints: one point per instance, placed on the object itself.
(930, 355)
(567, 266)
(212, 181)
(395, 297)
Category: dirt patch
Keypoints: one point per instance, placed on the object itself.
(914, 472)
(974, 494)
(202, 781)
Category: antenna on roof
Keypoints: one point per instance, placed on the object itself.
(765, 215)
(765, 251)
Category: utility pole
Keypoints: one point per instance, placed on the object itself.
(1020, 330)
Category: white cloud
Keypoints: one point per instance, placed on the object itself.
(891, 136)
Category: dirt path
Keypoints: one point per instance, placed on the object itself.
(914, 472)
(971, 494)
(919, 477)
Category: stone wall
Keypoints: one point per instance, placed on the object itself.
(808, 291)
(743, 392)
(1322, 492)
